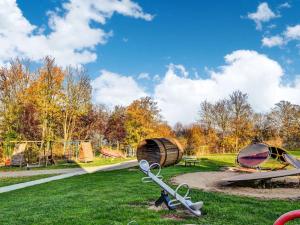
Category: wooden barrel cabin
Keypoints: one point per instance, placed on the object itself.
(164, 151)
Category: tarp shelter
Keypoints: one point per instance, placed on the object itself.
(18, 156)
(86, 152)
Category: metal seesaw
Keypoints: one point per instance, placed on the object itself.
(193, 207)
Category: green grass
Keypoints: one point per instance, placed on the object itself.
(118, 197)
(98, 161)
(16, 180)
(295, 152)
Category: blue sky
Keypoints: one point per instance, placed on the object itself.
(195, 33)
(180, 43)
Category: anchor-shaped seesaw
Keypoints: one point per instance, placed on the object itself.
(166, 190)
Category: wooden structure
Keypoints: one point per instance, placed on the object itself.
(110, 153)
(163, 151)
(18, 156)
(86, 152)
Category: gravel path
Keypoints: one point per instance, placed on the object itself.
(67, 173)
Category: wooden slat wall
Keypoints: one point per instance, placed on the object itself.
(86, 152)
(160, 150)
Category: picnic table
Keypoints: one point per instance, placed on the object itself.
(190, 160)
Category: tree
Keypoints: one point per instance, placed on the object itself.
(116, 131)
(221, 115)
(264, 129)
(241, 118)
(285, 116)
(207, 123)
(46, 94)
(93, 124)
(163, 130)
(76, 101)
(206, 116)
(143, 116)
(13, 83)
(30, 126)
(195, 139)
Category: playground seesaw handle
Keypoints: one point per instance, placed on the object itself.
(287, 217)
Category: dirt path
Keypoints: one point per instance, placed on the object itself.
(210, 181)
(68, 173)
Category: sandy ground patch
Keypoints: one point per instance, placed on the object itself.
(210, 181)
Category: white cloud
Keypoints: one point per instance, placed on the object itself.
(179, 96)
(145, 76)
(179, 68)
(196, 74)
(72, 39)
(292, 32)
(114, 89)
(273, 41)
(284, 5)
(253, 73)
(156, 78)
(263, 14)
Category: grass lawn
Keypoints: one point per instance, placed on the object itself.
(118, 197)
(98, 161)
(16, 180)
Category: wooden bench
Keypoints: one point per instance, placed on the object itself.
(190, 160)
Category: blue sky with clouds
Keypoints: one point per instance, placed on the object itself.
(197, 49)
(195, 33)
